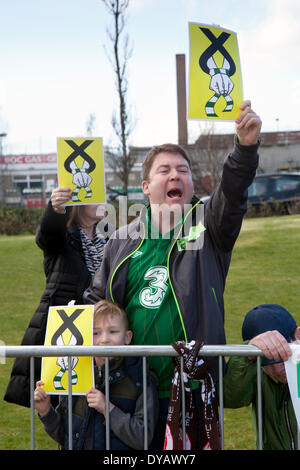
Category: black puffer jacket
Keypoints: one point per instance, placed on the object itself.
(66, 279)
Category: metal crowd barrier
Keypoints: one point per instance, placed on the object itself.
(141, 351)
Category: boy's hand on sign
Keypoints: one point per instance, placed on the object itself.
(41, 399)
(96, 400)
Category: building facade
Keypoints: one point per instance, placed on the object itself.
(28, 180)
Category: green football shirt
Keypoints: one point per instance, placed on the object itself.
(150, 303)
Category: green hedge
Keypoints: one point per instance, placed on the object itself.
(274, 208)
(16, 221)
(19, 220)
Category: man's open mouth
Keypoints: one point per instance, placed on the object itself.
(174, 193)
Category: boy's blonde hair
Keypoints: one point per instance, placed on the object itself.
(106, 308)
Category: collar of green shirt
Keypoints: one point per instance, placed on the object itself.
(153, 231)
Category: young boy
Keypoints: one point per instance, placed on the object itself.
(126, 394)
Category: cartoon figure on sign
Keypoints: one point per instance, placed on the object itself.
(81, 176)
(67, 363)
(220, 82)
(63, 363)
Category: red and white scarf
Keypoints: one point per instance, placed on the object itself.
(194, 368)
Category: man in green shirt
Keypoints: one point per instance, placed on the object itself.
(168, 267)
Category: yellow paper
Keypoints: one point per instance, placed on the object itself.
(81, 168)
(68, 326)
(215, 79)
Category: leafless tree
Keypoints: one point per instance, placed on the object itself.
(120, 160)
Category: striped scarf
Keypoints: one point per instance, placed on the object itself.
(194, 368)
(92, 250)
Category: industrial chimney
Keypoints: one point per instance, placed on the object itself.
(181, 100)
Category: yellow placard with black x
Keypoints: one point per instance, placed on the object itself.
(81, 168)
(215, 79)
(68, 326)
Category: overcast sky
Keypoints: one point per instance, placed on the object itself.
(54, 71)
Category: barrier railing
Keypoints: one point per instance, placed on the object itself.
(141, 351)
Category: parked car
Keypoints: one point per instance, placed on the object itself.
(282, 187)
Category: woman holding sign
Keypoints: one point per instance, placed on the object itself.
(73, 249)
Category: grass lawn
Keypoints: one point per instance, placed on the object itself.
(264, 269)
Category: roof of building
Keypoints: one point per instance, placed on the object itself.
(267, 139)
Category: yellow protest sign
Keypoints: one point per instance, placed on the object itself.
(68, 326)
(81, 168)
(215, 79)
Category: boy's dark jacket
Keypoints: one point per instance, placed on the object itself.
(197, 269)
